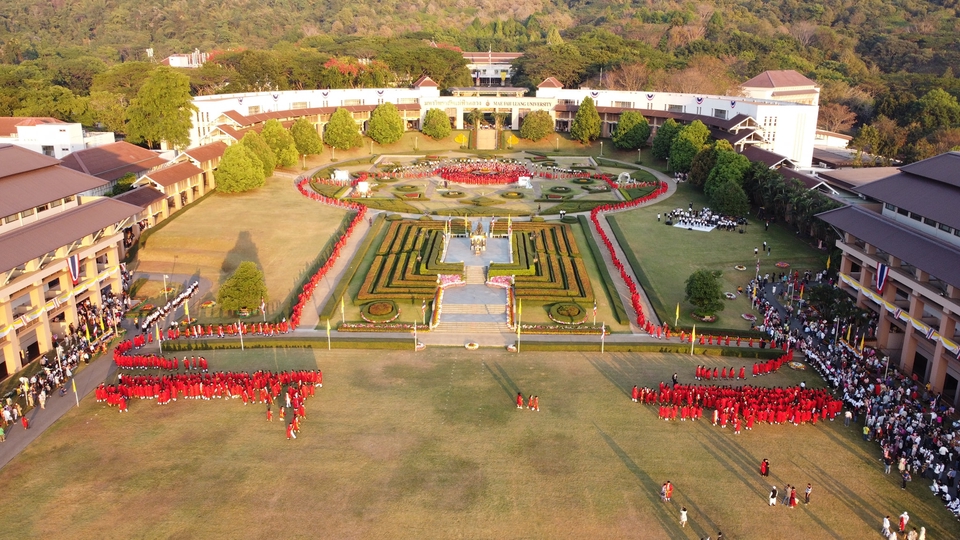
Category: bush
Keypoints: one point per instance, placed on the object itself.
(244, 289)
(536, 126)
(379, 311)
(436, 124)
(386, 125)
(239, 170)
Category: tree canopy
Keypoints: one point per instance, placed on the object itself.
(663, 139)
(704, 291)
(386, 124)
(259, 149)
(240, 170)
(586, 123)
(163, 110)
(245, 289)
(342, 132)
(688, 142)
(536, 126)
(436, 124)
(632, 131)
(280, 142)
(306, 138)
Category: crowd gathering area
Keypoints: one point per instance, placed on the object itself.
(805, 378)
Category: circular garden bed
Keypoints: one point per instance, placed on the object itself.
(567, 313)
(583, 181)
(704, 318)
(512, 195)
(560, 189)
(454, 194)
(407, 188)
(381, 311)
(570, 219)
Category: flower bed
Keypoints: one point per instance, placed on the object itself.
(451, 280)
(583, 181)
(504, 282)
(555, 197)
(782, 264)
(581, 329)
(379, 327)
(740, 267)
(381, 311)
(797, 366)
(208, 304)
(560, 189)
(749, 317)
(472, 346)
(407, 188)
(706, 318)
(567, 313)
(730, 295)
(413, 195)
(512, 195)
(453, 194)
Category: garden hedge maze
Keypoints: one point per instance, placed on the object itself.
(407, 263)
(547, 264)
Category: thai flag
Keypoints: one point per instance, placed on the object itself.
(930, 332)
(897, 313)
(73, 264)
(882, 272)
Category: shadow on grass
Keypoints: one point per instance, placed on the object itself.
(651, 489)
(243, 250)
(857, 506)
(619, 372)
(504, 380)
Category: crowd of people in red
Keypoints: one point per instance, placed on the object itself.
(759, 368)
(624, 275)
(304, 186)
(742, 405)
(482, 172)
(286, 390)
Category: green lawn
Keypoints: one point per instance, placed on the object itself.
(411, 445)
(668, 255)
(274, 226)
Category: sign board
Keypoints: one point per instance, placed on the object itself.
(461, 139)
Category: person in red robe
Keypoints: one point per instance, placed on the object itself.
(519, 400)
(743, 372)
(635, 394)
(290, 432)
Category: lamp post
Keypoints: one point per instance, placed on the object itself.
(416, 140)
(558, 144)
(304, 156)
(165, 299)
(333, 151)
(639, 154)
(601, 148)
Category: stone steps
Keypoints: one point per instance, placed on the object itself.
(475, 275)
(468, 328)
(475, 309)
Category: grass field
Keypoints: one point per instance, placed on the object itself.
(274, 226)
(668, 255)
(412, 445)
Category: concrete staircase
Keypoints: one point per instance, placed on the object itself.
(473, 309)
(475, 275)
(470, 328)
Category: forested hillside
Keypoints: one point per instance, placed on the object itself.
(889, 64)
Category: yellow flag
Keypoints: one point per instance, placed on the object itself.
(828, 262)
(186, 309)
(158, 332)
(675, 321)
(73, 382)
(848, 332)
(102, 329)
(693, 338)
(328, 327)
(862, 338)
(87, 328)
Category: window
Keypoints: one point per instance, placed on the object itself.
(930, 222)
(348, 102)
(254, 109)
(568, 102)
(298, 105)
(675, 108)
(770, 128)
(28, 213)
(407, 100)
(11, 218)
(720, 113)
(946, 228)
(47, 150)
(915, 217)
(69, 199)
(43, 207)
(56, 203)
(890, 207)
(903, 211)
(623, 104)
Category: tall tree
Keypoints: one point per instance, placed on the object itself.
(342, 132)
(663, 139)
(259, 148)
(280, 142)
(632, 131)
(108, 110)
(704, 291)
(306, 138)
(586, 123)
(730, 199)
(163, 110)
(687, 144)
(239, 170)
(536, 126)
(436, 124)
(245, 289)
(386, 125)
(938, 109)
(836, 117)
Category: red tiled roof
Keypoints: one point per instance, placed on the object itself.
(207, 151)
(29, 179)
(550, 82)
(16, 159)
(778, 79)
(169, 176)
(142, 196)
(8, 124)
(289, 114)
(424, 81)
(111, 161)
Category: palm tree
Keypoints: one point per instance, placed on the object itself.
(475, 117)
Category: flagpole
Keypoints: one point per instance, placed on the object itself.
(159, 340)
(73, 381)
(603, 332)
(241, 334)
(328, 335)
(693, 338)
(519, 312)
(414, 335)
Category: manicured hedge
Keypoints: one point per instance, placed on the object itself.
(292, 343)
(678, 348)
(333, 303)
